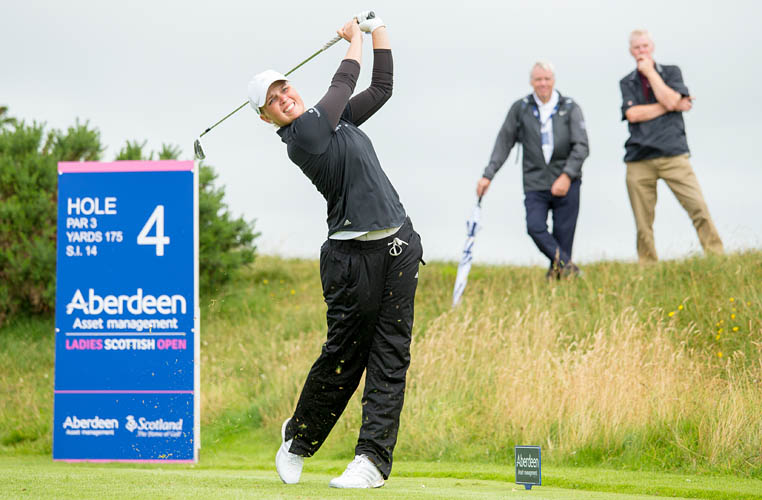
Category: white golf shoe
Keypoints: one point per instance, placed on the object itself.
(288, 465)
(360, 473)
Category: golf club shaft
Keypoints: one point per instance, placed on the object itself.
(326, 46)
(225, 118)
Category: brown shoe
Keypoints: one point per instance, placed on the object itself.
(570, 270)
(553, 274)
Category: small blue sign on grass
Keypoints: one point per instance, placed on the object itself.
(528, 466)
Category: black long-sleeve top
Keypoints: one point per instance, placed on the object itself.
(339, 159)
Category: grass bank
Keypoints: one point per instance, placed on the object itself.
(630, 367)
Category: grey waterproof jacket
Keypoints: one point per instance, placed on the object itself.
(570, 145)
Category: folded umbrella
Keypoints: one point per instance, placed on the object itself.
(472, 226)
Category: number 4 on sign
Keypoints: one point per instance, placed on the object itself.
(157, 219)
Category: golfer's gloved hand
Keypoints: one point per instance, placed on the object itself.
(363, 16)
(369, 25)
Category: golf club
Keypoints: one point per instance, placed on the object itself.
(199, 151)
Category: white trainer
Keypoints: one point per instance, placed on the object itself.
(288, 465)
(360, 473)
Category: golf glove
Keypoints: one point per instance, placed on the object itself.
(369, 25)
(363, 16)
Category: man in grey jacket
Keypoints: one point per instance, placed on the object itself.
(552, 130)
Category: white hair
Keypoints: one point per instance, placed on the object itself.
(546, 65)
(640, 32)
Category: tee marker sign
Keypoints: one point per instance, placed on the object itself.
(528, 466)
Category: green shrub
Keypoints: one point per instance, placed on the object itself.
(225, 243)
(28, 180)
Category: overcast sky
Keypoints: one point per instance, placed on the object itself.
(163, 71)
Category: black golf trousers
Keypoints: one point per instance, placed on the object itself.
(369, 287)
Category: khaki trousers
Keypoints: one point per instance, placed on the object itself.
(679, 176)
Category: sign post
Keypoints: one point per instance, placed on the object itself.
(127, 374)
(528, 466)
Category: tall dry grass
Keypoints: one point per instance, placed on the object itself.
(491, 376)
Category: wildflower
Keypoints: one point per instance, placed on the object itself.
(735, 328)
(720, 330)
(293, 292)
(748, 303)
(732, 299)
(671, 313)
(719, 354)
(718, 336)
(732, 316)
(680, 307)
(264, 282)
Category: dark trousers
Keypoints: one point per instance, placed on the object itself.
(565, 210)
(370, 295)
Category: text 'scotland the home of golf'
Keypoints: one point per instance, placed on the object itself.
(127, 315)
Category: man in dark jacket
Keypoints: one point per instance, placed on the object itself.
(654, 99)
(552, 130)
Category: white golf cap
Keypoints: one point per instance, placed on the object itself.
(258, 87)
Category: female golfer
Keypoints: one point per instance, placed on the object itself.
(368, 265)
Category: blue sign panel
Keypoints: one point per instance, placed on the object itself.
(127, 336)
(528, 466)
(127, 427)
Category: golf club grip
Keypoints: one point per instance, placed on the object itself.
(330, 42)
(371, 15)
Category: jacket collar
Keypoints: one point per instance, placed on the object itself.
(283, 131)
(529, 99)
